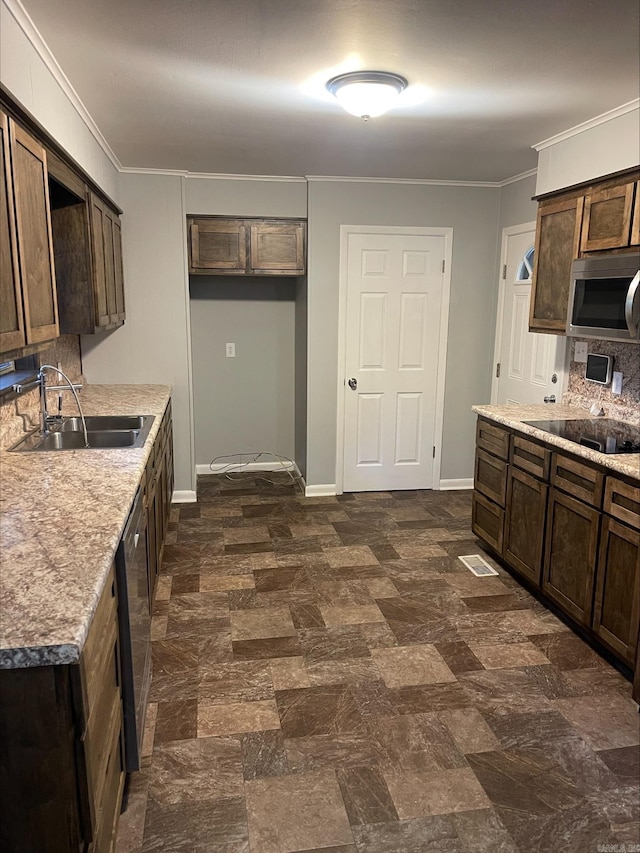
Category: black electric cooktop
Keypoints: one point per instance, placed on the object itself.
(603, 434)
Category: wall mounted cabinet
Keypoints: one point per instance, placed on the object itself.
(602, 216)
(28, 301)
(88, 252)
(246, 246)
(606, 222)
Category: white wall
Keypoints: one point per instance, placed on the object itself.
(592, 151)
(40, 88)
(472, 212)
(153, 345)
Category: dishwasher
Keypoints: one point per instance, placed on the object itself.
(134, 620)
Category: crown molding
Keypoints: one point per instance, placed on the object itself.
(141, 170)
(210, 176)
(416, 181)
(214, 176)
(33, 35)
(587, 125)
(521, 177)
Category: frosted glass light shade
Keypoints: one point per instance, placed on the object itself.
(367, 93)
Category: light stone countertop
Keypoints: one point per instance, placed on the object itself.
(61, 518)
(514, 415)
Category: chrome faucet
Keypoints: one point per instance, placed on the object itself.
(41, 383)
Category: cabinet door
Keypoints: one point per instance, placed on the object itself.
(616, 615)
(33, 230)
(557, 244)
(118, 269)
(487, 521)
(606, 222)
(277, 247)
(12, 333)
(98, 215)
(635, 224)
(217, 244)
(109, 264)
(524, 524)
(570, 555)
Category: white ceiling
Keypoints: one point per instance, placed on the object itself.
(236, 86)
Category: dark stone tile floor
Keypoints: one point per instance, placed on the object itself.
(328, 676)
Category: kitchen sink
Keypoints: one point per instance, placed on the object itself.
(104, 422)
(75, 440)
(103, 432)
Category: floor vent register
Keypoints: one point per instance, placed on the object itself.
(476, 564)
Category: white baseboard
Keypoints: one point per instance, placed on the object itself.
(324, 490)
(184, 496)
(452, 485)
(248, 466)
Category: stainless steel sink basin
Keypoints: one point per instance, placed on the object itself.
(75, 440)
(103, 432)
(104, 422)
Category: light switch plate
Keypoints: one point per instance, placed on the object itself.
(616, 382)
(230, 350)
(580, 351)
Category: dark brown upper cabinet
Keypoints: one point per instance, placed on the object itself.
(557, 244)
(277, 248)
(606, 222)
(591, 218)
(12, 334)
(28, 290)
(635, 223)
(246, 246)
(88, 252)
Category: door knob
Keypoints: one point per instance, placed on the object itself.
(353, 383)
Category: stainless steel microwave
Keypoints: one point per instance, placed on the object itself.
(604, 298)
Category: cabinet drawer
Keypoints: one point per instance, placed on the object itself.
(490, 477)
(622, 501)
(530, 457)
(577, 479)
(487, 521)
(492, 438)
(96, 653)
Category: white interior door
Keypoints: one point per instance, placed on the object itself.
(393, 309)
(526, 362)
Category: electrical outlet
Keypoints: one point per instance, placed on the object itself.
(580, 351)
(230, 350)
(616, 382)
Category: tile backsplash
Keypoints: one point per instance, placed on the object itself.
(626, 358)
(20, 414)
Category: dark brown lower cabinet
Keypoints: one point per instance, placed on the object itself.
(616, 616)
(524, 524)
(570, 555)
(61, 751)
(159, 489)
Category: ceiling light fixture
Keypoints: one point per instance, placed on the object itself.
(367, 93)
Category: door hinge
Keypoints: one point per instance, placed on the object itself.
(504, 271)
(443, 264)
(434, 451)
(498, 370)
